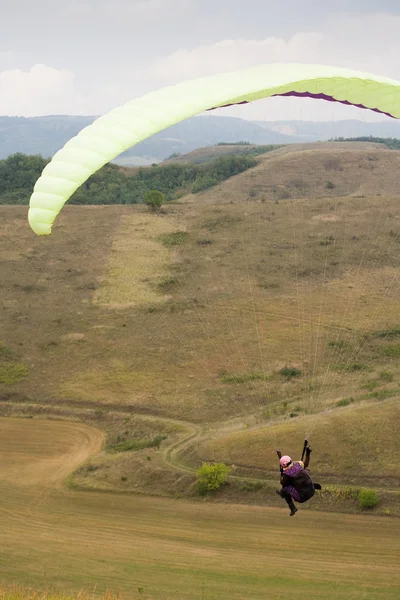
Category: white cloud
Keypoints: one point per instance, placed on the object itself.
(77, 10)
(41, 90)
(230, 55)
(145, 10)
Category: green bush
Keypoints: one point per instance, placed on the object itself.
(290, 372)
(210, 477)
(367, 499)
(154, 200)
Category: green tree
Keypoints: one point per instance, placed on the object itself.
(210, 477)
(154, 200)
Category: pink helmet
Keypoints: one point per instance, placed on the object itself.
(285, 461)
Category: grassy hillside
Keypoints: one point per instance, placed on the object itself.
(241, 311)
(326, 169)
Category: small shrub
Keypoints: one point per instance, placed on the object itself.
(290, 372)
(330, 185)
(344, 401)
(367, 499)
(210, 477)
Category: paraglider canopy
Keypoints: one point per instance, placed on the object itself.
(110, 135)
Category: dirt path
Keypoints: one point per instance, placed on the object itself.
(170, 452)
(44, 452)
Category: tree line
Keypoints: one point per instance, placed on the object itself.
(113, 184)
(392, 143)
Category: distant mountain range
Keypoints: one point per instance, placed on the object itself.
(46, 135)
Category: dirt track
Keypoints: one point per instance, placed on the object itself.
(44, 452)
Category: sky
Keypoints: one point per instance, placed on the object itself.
(87, 57)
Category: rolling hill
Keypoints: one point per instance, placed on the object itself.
(45, 135)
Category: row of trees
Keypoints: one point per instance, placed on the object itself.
(392, 143)
(114, 185)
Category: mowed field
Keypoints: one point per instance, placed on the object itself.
(56, 538)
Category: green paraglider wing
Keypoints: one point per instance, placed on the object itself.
(125, 126)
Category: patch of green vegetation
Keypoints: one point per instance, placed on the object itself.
(123, 445)
(341, 493)
(290, 372)
(11, 372)
(174, 239)
(371, 384)
(252, 151)
(367, 499)
(5, 352)
(249, 485)
(387, 333)
(345, 401)
(392, 351)
(242, 377)
(383, 394)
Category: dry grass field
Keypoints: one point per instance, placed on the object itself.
(236, 321)
(64, 540)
